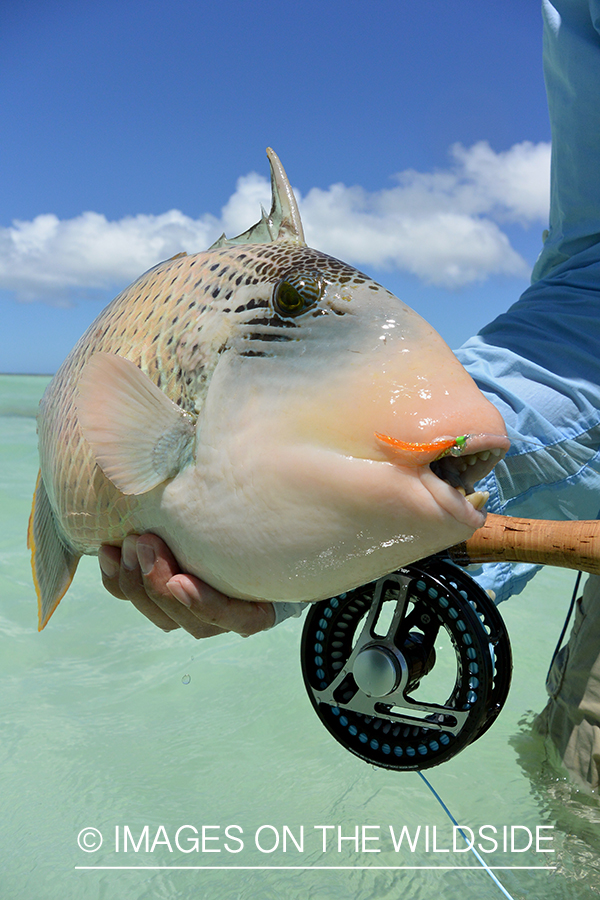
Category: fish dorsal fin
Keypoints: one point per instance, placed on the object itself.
(282, 224)
(139, 437)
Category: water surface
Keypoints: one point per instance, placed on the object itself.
(107, 723)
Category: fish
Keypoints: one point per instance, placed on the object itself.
(285, 423)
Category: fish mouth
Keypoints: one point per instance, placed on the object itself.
(462, 471)
(450, 467)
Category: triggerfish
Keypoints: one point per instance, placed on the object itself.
(287, 425)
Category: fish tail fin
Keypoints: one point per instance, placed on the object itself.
(52, 562)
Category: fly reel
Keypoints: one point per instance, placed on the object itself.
(406, 671)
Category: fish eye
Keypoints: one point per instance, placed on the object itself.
(297, 292)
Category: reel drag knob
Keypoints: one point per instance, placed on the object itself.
(378, 672)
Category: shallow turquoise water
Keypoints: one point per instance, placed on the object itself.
(107, 723)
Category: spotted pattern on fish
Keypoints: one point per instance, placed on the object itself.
(173, 323)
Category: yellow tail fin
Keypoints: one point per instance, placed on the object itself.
(53, 563)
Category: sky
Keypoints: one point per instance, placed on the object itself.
(414, 132)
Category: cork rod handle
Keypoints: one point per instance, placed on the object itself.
(570, 545)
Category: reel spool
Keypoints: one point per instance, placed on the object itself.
(406, 671)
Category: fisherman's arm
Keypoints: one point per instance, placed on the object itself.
(147, 574)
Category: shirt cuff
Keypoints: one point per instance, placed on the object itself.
(284, 611)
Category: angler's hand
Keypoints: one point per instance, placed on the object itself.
(145, 572)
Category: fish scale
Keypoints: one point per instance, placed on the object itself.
(168, 307)
(224, 401)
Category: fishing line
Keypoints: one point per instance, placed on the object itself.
(567, 620)
(474, 851)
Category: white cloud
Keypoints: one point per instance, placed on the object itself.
(514, 184)
(242, 209)
(445, 227)
(49, 259)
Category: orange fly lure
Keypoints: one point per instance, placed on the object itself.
(441, 447)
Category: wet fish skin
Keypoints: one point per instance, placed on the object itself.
(267, 479)
(173, 323)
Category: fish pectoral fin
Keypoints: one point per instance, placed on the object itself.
(139, 437)
(52, 562)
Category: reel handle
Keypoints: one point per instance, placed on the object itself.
(569, 545)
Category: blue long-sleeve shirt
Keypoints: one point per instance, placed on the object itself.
(539, 363)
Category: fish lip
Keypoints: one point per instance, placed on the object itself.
(452, 502)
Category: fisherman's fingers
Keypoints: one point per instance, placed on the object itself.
(109, 558)
(122, 577)
(156, 567)
(198, 608)
(215, 609)
(140, 573)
